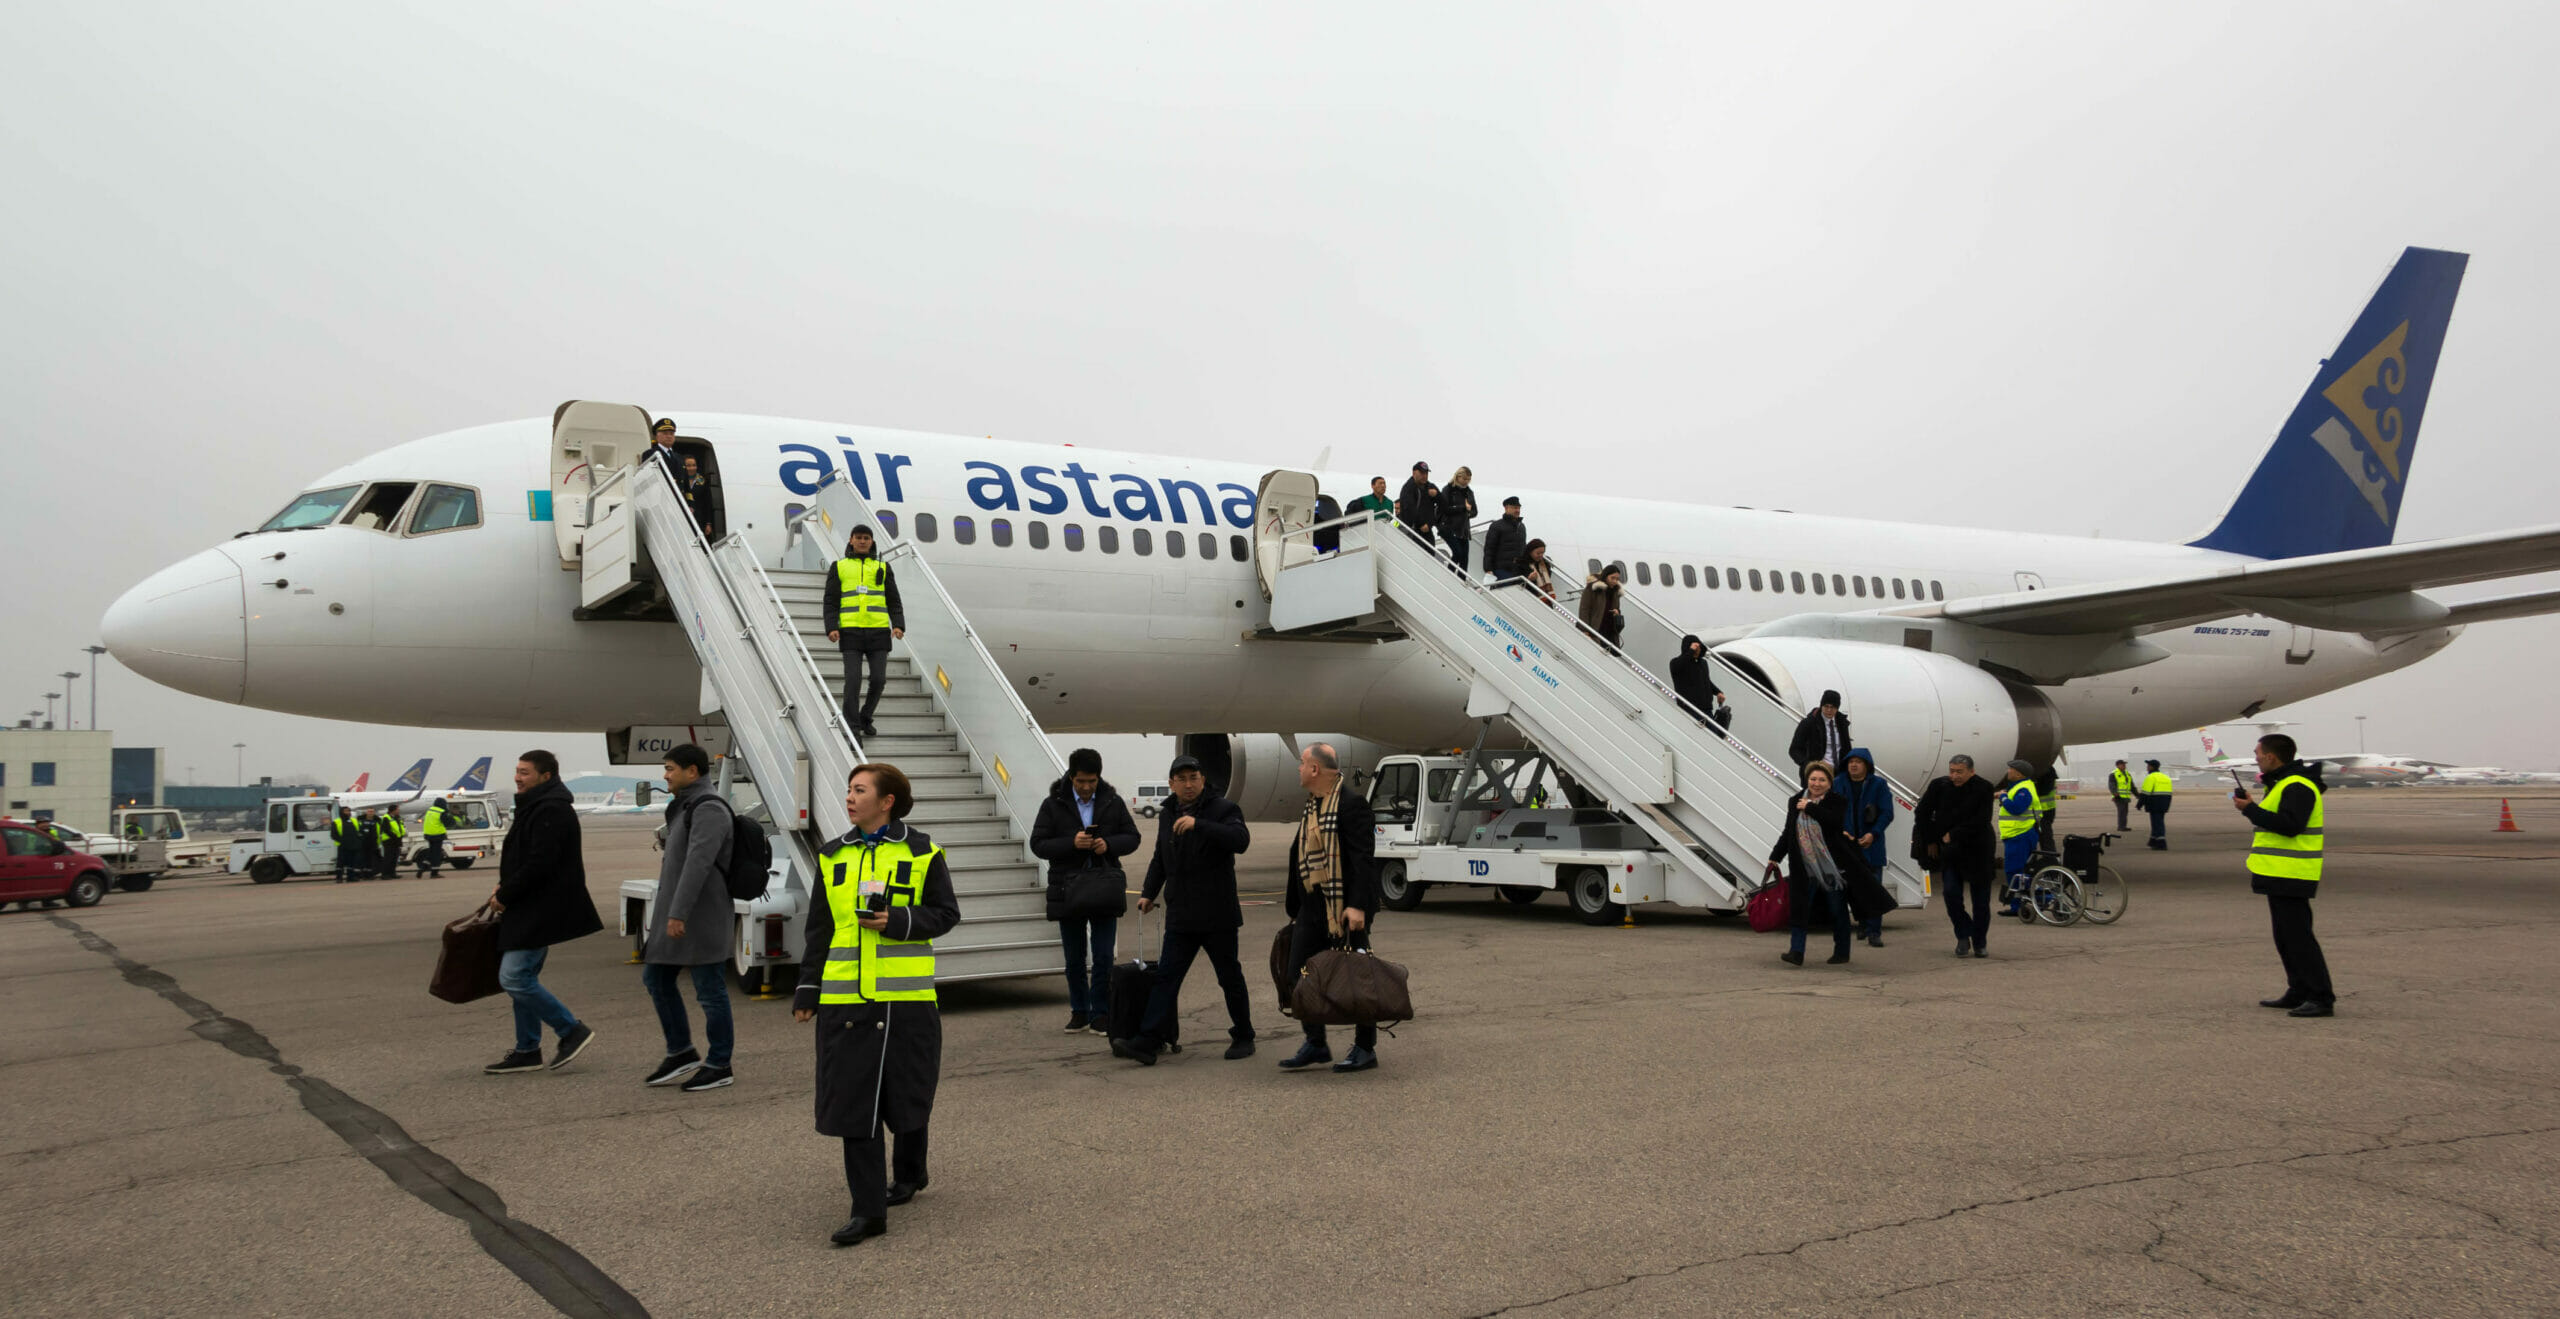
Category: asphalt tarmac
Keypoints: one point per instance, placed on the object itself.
(233, 1099)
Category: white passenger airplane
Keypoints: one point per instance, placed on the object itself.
(426, 584)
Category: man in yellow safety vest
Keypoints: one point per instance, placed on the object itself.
(863, 617)
(2284, 864)
(432, 827)
(866, 977)
(2021, 806)
(2120, 787)
(2157, 788)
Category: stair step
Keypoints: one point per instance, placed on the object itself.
(979, 856)
(1009, 903)
(886, 747)
(954, 807)
(985, 829)
(1023, 874)
(947, 768)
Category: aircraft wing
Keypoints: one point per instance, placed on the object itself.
(2368, 590)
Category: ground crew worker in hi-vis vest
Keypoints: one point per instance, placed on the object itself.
(368, 831)
(432, 827)
(863, 617)
(2120, 787)
(2157, 788)
(2284, 864)
(866, 977)
(2020, 808)
(342, 831)
(387, 833)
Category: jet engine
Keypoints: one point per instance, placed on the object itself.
(1259, 771)
(1911, 708)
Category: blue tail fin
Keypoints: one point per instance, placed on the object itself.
(2332, 480)
(415, 779)
(473, 779)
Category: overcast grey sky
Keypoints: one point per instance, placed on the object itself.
(2025, 264)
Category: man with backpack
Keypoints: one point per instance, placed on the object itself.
(691, 922)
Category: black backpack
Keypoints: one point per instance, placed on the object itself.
(750, 862)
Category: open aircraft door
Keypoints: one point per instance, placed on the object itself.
(1285, 502)
(588, 442)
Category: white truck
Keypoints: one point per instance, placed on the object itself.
(1484, 820)
(297, 841)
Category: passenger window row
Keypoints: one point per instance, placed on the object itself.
(1781, 583)
(1106, 538)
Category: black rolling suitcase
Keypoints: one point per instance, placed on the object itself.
(1132, 982)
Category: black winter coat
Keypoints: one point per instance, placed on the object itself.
(542, 873)
(1506, 545)
(1693, 678)
(1054, 830)
(1832, 813)
(2293, 819)
(1195, 871)
(1457, 512)
(878, 1063)
(1965, 815)
(1417, 506)
(1806, 746)
(1358, 826)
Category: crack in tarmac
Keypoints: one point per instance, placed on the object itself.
(1943, 1215)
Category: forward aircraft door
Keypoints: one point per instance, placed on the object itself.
(1285, 502)
(588, 442)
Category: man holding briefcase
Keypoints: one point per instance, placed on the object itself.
(1333, 886)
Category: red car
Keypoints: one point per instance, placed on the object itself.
(36, 867)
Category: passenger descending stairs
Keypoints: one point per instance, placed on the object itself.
(1714, 804)
(977, 760)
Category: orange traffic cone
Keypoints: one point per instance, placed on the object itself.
(2506, 819)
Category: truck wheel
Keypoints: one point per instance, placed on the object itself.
(1589, 890)
(462, 862)
(1519, 895)
(136, 883)
(1397, 892)
(87, 890)
(269, 870)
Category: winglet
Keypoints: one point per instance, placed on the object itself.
(2333, 478)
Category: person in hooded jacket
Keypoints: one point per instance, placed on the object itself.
(1870, 813)
(1600, 603)
(1952, 833)
(1084, 823)
(1693, 680)
(1198, 838)
(1807, 882)
(1823, 734)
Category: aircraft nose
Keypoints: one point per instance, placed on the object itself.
(186, 627)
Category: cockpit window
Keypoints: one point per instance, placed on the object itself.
(381, 505)
(312, 508)
(445, 508)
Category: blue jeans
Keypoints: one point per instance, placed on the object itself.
(520, 974)
(710, 989)
(1089, 982)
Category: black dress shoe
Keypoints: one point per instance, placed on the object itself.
(2313, 1010)
(1239, 1049)
(1308, 1055)
(901, 1192)
(1358, 1060)
(2288, 1001)
(1135, 1050)
(1837, 958)
(858, 1230)
(1792, 958)
(1875, 941)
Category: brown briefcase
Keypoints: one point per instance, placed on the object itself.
(467, 968)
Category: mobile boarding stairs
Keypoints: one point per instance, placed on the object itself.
(977, 758)
(1712, 802)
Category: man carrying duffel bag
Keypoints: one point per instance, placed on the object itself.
(1333, 888)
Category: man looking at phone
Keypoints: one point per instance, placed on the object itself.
(866, 977)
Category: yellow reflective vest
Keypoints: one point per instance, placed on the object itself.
(433, 825)
(2019, 806)
(2157, 784)
(2291, 856)
(874, 966)
(2120, 784)
(388, 826)
(866, 594)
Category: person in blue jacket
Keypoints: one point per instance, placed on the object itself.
(1870, 813)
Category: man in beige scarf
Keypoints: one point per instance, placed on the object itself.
(1333, 886)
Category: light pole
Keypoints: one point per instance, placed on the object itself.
(49, 699)
(239, 758)
(70, 676)
(2359, 727)
(94, 653)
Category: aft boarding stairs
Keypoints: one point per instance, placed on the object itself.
(770, 670)
(1713, 803)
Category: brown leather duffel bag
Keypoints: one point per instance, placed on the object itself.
(1347, 986)
(467, 968)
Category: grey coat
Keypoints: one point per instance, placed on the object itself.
(690, 885)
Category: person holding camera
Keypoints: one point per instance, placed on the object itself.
(866, 977)
(1084, 825)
